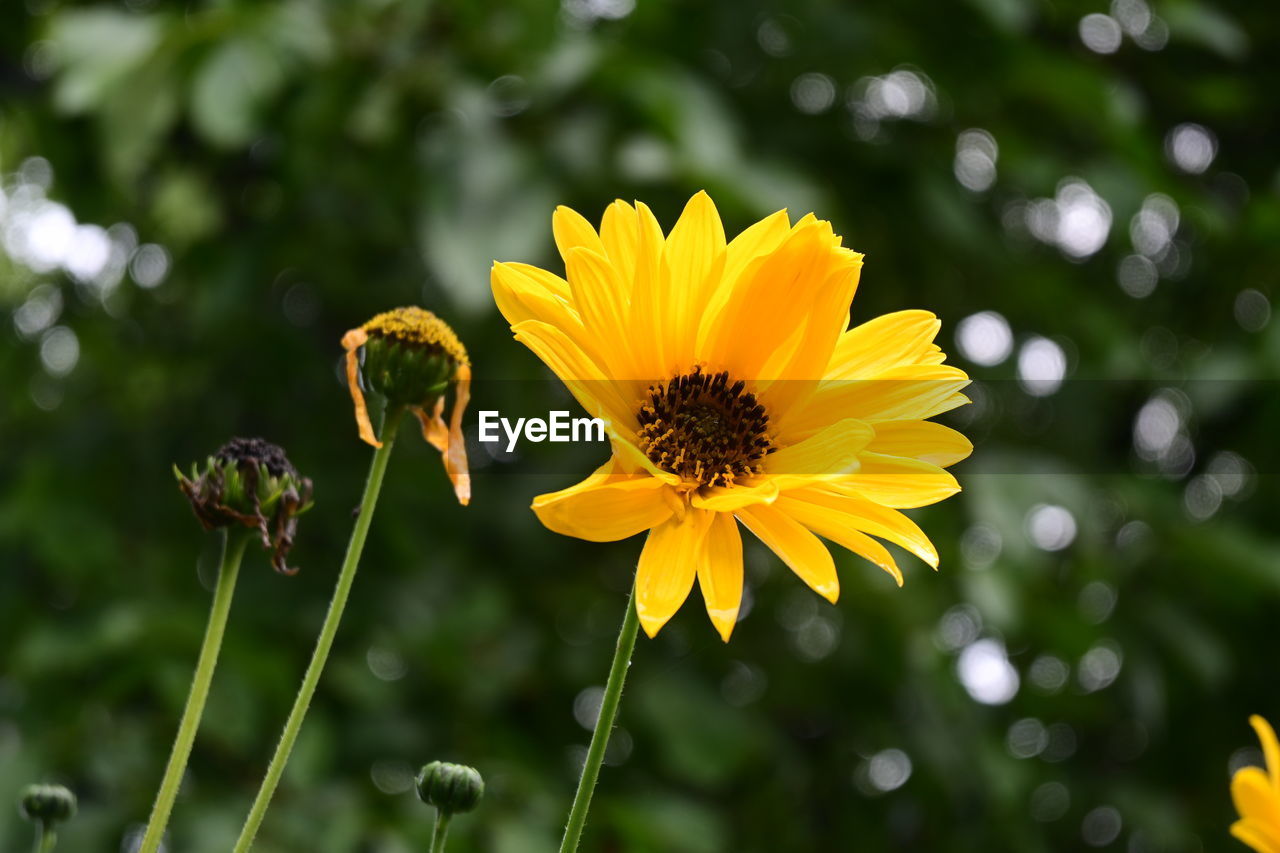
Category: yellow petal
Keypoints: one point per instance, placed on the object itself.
(891, 340)
(455, 455)
(650, 324)
(834, 525)
(620, 233)
(605, 507)
(572, 231)
(668, 565)
(1256, 836)
(737, 496)
(599, 395)
(720, 573)
(759, 239)
(803, 552)
(525, 293)
(821, 329)
(1270, 748)
(923, 440)
(898, 482)
(695, 257)
(434, 429)
(598, 296)
(834, 450)
(351, 342)
(904, 393)
(772, 300)
(1257, 802)
(866, 516)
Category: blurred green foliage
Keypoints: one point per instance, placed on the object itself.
(289, 169)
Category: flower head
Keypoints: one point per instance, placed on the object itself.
(734, 393)
(1257, 795)
(411, 357)
(250, 482)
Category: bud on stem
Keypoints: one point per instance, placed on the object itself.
(452, 789)
(47, 806)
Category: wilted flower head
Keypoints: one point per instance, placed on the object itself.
(411, 357)
(250, 482)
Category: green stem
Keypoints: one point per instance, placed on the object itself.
(442, 830)
(46, 838)
(232, 553)
(604, 727)
(327, 632)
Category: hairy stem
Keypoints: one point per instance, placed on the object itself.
(328, 630)
(232, 552)
(604, 727)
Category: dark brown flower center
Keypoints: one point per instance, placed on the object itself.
(252, 452)
(705, 429)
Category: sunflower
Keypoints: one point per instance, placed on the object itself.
(734, 393)
(1257, 795)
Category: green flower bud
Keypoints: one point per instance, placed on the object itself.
(47, 803)
(250, 482)
(451, 788)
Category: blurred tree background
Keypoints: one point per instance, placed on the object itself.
(199, 198)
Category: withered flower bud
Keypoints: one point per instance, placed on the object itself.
(250, 482)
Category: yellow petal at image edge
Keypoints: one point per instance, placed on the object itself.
(1270, 749)
(1252, 835)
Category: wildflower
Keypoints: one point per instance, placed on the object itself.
(1256, 793)
(735, 394)
(411, 357)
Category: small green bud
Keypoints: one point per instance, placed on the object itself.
(47, 803)
(250, 482)
(451, 788)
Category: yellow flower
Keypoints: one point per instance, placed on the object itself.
(1257, 795)
(732, 390)
(411, 357)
